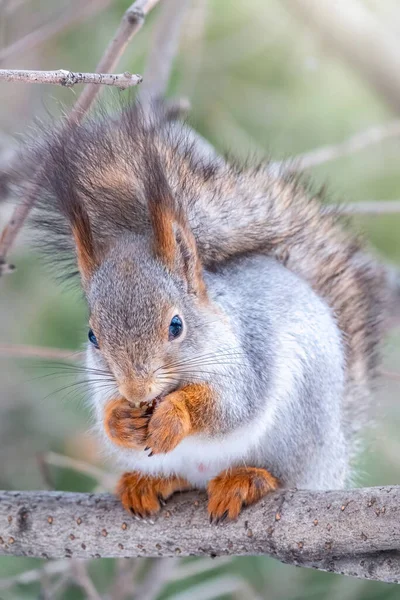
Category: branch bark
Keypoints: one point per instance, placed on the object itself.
(69, 79)
(353, 532)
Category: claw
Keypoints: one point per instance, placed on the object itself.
(151, 453)
(223, 517)
(147, 448)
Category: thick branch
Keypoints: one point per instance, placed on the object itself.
(353, 532)
(69, 79)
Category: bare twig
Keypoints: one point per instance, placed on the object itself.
(131, 22)
(78, 13)
(163, 50)
(355, 143)
(354, 532)
(352, 32)
(69, 79)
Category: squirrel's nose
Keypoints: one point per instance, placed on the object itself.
(134, 391)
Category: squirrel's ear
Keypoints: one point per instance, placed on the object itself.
(174, 243)
(86, 252)
(187, 260)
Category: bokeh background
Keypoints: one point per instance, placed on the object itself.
(260, 83)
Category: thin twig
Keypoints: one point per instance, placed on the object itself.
(355, 143)
(132, 21)
(164, 47)
(78, 13)
(69, 79)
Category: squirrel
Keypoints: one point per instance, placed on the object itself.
(234, 321)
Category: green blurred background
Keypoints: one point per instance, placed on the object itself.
(259, 84)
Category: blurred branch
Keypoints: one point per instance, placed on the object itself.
(80, 575)
(352, 32)
(132, 21)
(371, 207)
(69, 79)
(355, 143)
(107, 481)
(163, 49)
(22, 351)
(51, 568)
(220, 587)
(354, 532)
(159, 572)
(79, 12)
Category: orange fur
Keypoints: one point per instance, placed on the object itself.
(85, 251)
(235, 488)
(181, 414)
(165, 246)
(141, 494)
(125, 425)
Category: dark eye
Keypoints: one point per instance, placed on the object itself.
(175, 327)
(93, 339)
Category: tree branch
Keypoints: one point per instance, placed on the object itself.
(358, 141)
(354, 532)
(163, 49)
(132, 21)
(69, 79)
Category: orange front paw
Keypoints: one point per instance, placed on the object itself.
(169, 424)
(142, 495)
(126, 425)
(235, 488)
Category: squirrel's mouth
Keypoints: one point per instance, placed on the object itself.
(150, 405)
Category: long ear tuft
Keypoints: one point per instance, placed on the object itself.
(174, 242)
(87, 258)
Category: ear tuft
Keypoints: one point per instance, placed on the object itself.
(85, 247)
(174, 242)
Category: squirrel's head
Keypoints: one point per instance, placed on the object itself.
(149, 310)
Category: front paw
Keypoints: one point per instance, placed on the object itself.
(126, 425)
(169, 425)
